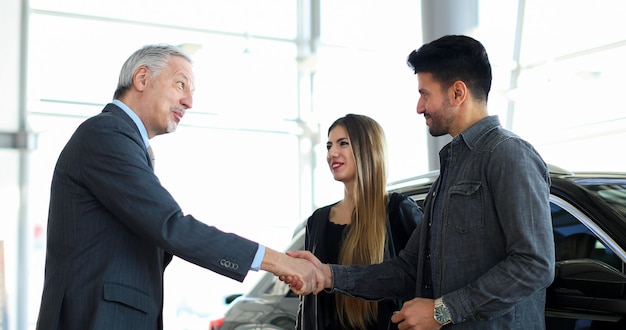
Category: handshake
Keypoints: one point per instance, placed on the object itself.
(301, 270)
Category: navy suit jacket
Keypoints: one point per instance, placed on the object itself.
(112, 230)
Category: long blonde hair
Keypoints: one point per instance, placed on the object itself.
(364, 242)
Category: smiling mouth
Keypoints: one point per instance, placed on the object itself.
(178, 115)
(427, 118)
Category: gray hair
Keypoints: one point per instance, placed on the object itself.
(154, 57)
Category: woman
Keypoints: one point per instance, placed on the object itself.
(367, 226)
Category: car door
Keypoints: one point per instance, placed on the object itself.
(590, 285)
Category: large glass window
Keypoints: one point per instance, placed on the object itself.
(570, 72)
(275, 18)
(362, 69)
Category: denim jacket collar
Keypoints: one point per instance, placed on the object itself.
(474, 133)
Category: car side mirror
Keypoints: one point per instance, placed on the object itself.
(589, 277)
(232, 297)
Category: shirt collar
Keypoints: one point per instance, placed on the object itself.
(136, 119)
(471, 135)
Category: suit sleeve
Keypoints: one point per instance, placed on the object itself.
(117, 172)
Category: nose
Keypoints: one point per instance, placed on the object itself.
(420, 107)
(187, 100)
(332, 153)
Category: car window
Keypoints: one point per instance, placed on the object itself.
(612, 191)
(574, 240)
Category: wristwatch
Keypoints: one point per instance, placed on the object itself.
(442, 314)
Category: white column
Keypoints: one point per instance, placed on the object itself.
(439, 18)
(15, 142)
(307, 41)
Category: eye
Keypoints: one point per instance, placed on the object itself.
(344, 143)
(328, 146)
(181, 84)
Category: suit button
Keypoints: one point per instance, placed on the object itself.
(229, 264)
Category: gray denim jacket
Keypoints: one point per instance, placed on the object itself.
(494, 255)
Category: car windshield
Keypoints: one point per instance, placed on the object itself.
(612, 191)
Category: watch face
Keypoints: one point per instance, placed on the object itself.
(442, 315)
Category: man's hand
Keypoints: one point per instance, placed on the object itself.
(295, 284)
(307, 255)
(309, 279)
(417, 314)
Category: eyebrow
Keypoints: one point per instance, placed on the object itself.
(338, 140)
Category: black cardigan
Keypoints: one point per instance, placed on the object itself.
(316, 311)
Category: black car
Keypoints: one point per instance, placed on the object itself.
(589, 290)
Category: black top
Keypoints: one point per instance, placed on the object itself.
(323, 239)
(334, 238)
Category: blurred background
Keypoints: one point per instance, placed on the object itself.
(271, 76)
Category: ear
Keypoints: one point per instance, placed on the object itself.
(140, 78)
(458, 92)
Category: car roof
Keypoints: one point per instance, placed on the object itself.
(582, 178)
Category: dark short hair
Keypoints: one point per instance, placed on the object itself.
(455, 57)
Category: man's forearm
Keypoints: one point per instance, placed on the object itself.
(373, 282)
(272, 262)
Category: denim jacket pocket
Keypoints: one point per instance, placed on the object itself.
(464, 211)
